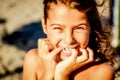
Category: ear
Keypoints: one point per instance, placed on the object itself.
(43, 24)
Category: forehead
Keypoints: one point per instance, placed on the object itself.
(63, 13)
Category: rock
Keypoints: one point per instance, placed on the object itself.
(20, 12)
(26, 38)
(2, 70)
(11, 57)
(2, 33)
(12, 77)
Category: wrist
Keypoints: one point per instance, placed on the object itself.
(61, 77)
(47, 76)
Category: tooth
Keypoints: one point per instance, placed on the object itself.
(67, 49)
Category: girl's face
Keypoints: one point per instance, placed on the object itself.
(67, 28)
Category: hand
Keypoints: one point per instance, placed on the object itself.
(47, 54)
(65, 67)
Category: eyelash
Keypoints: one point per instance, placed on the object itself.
(57, 28)
(77, 28)
(81, 28)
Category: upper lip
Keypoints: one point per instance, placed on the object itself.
(71, 46)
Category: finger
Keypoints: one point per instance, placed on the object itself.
(40, 43)
(91, 54)
(74, 54)
(83, 57)
(42, 47)
(50, 46)
(55, 52)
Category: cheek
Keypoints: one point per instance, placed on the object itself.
(54, 39)
(83, 40)
(85, 43)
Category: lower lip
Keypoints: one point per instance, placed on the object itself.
(67, 54)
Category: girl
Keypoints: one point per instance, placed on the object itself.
(76, 47)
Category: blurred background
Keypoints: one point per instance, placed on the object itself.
(20, 28)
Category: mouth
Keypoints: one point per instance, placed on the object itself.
(66, 52)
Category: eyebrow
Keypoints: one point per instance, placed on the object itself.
(82, 24)
(75, 26)
(56, 24)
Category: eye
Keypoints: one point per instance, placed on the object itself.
(57, 28)
(80, 28)
(83, 27)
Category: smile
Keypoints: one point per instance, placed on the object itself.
(67, 50)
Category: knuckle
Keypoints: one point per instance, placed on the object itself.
(86, 57)
(91, 60)
(46, 46)
(41, 40)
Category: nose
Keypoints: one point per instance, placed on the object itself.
(69, 37)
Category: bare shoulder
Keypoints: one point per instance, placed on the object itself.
(32, 57)
(31, 65)
(102, 71)
(31, 53)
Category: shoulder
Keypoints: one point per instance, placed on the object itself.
(32, 65)
(31, 54)
(31, 57)
(102, 71)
